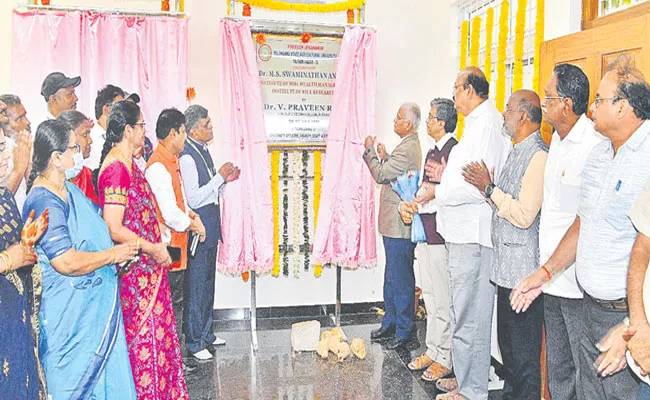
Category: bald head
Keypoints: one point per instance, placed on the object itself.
(474, 77)
(528, 101)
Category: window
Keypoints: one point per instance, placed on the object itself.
(469, 9)
(606, 7)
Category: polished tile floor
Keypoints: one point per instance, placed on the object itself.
(274, 372)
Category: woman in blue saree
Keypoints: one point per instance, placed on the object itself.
(21, 376)
(82, 342)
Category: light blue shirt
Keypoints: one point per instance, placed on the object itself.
(610, 185)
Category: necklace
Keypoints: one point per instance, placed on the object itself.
(60, 191)
(124, 158)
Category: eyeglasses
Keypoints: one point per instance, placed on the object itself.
(142, 124)
(76, 148)
(509, 110)
(453, 88)
(547, 98)
(431, 118)
(598, 99)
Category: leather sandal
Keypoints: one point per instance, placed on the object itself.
(420, 363)
(435, 372)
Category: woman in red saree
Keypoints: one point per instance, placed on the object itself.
(129, 212)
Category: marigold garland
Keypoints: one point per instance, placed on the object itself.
(303, 7)
(464, 37)
(520, 28)
(227, 7)
(164, 5)
(245, 276)
(489, 26)
(501, 55)
(539, 38)
(296, 209)
(260, 38)
(275, 167)
(475, 41)
(306, 37)
(318, 269)
(246, 11)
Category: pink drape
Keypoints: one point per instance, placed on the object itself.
(146, 55)
(247, 210)
(345, 231)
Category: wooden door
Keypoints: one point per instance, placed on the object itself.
(594, 49)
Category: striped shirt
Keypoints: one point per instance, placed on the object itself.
(610, 185)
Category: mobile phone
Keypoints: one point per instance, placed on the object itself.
(174, 253)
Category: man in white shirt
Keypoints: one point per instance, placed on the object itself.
(104, 101)
(58, 92)
(164, 176)
(464, 219)
(17, 129)
(565, 103)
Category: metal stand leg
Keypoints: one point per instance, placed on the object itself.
(253, 311)
(336, 318)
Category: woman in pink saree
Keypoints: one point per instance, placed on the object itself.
(129, 211)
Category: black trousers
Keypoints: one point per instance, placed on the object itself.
(520, 341)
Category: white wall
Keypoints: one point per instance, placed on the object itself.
(416, 62)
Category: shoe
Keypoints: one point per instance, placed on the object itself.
(218, 342)
(202, 356)
(396, 343)
(382, 333)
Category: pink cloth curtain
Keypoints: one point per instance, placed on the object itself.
(146, 55)
(247, 209)
(345, 231)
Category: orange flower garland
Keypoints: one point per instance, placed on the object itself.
(260, 38)
(190, 93)
(350, 16)
(164, 5)
(306, 37)
(246, 11)
(245, 276)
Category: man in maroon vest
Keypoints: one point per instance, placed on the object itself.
(432, 256)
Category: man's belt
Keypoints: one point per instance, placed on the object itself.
(618, 304)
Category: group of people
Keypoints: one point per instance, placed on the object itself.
(108, 247)
(560, 234)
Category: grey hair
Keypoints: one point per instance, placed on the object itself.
(193, 115)
(446, 112)
(10, 99)
(533, 111)
(413, 114)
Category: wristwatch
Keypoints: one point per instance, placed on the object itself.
(489, 188)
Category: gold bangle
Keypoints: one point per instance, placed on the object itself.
(3, 257)
(113, 255)
(137, 242)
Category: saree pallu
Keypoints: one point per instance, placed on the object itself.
(82, 341)
(20, 374)
(151, 334)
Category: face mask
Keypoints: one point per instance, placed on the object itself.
(76, 169)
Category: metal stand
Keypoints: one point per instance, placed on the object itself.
(336, 317)
(253, 310)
